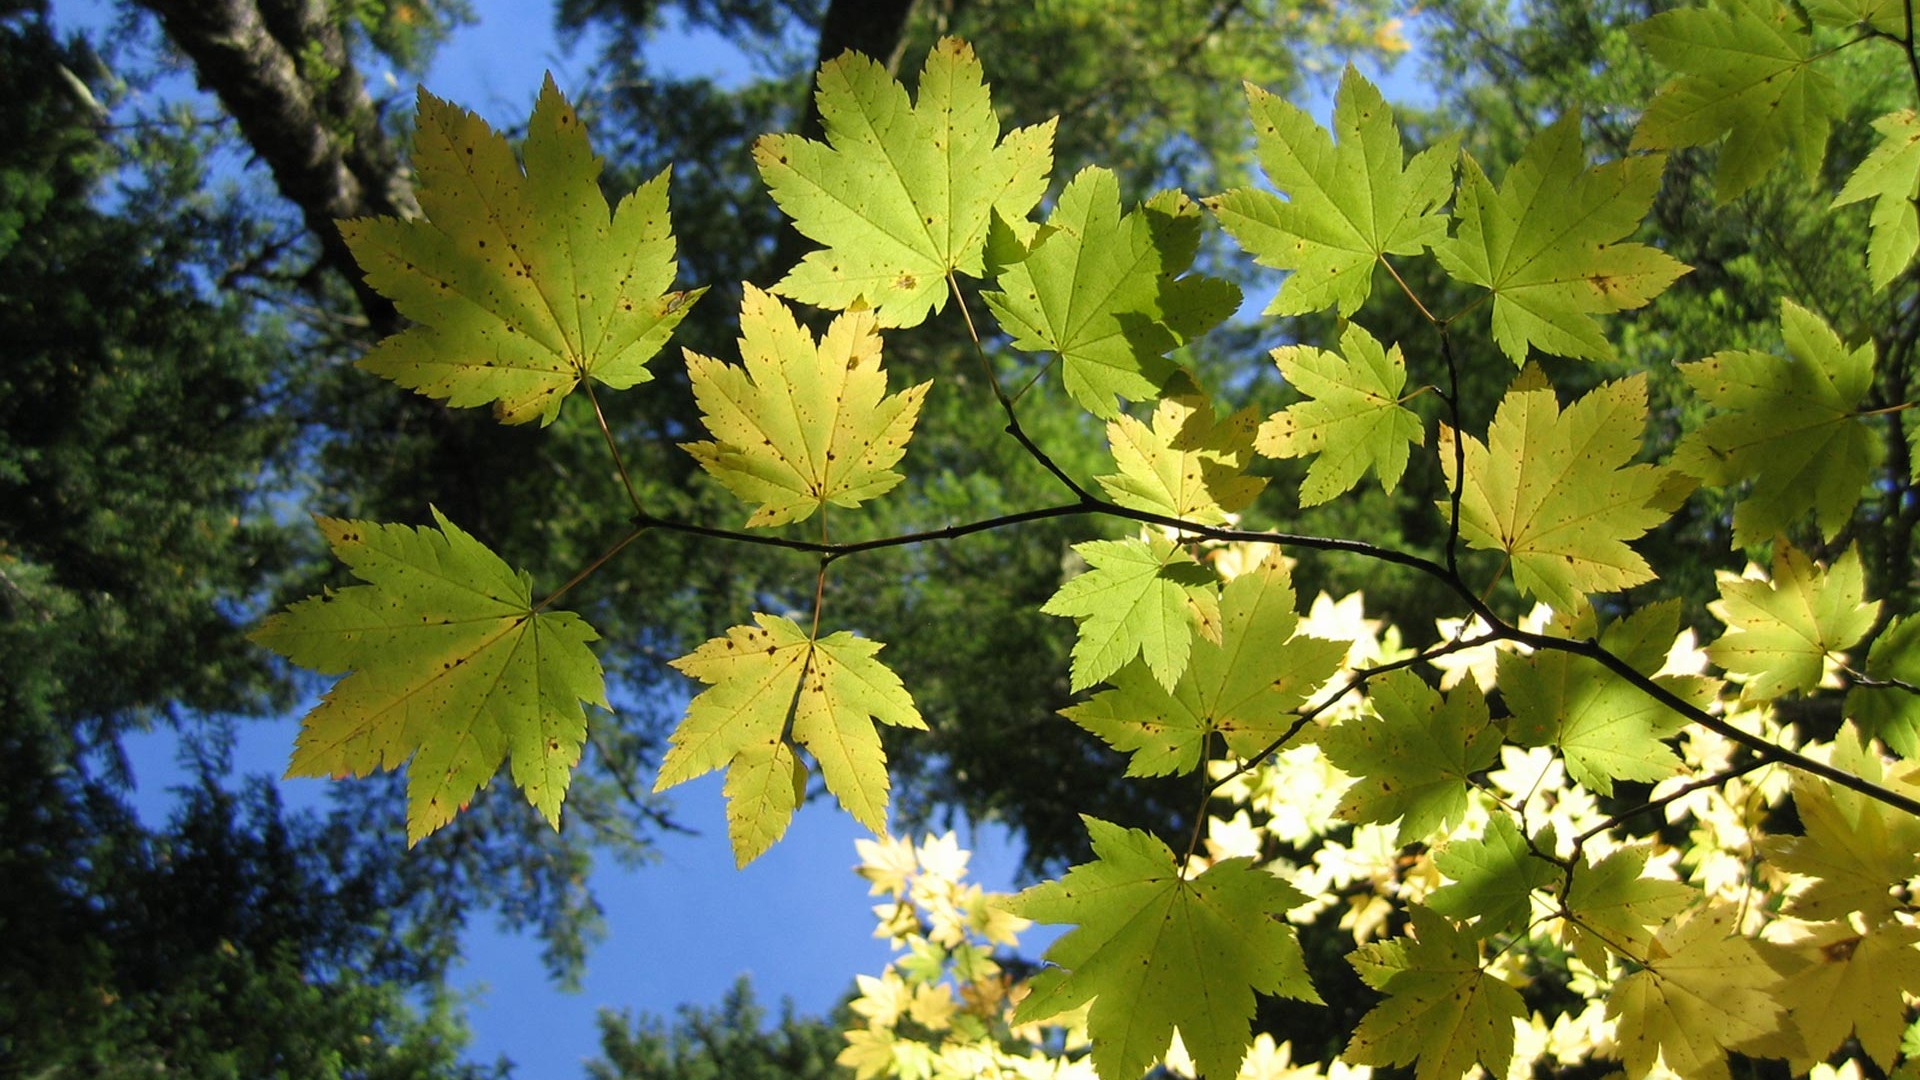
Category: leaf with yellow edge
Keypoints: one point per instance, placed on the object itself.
(1792, 426)
(1745, 72)
(1855, 851)
(1702, 990)
(1156, 952)
(1353, 420)
(1890, 175)
(1551, 244)
(1781, 632)
(801, 425)
(1558, 492)
(447, 662)
(770, 685)
(1852, 984)
(902, 192)
(519, 285)
(1347, 204)
(1245, 687)
(1187, 465)
(1443, 1013)
(1142, 598)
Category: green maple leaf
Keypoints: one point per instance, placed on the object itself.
(801, 425)
(1852, 985)
(1353, 420)
(1890, 175)
(1855, 851)
(1413, 758)
(769, 685)
(1156, 952)
(1443, 1013)
(1702, 990)
(450, 669)
(1886, 16)
(1612, 905)
(1348, 204)
(1550, 244)
(1493, 878)
(1891, 714)
(1792, 426)
(1187, 465)
(902, 192)
(1746, 73)
(519, 285)
(1245, 688)
(1557, 493)
(1140, 598)
(1780, 632)
(1606, 729)
(1110, 293)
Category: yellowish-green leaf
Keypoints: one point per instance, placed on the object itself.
(1110, 293)
(1412, 758)
(1852, 985)
(1702, 991)
(1891, 713)
(1558, 493)
(1855, 851)
(1792, 426)
(801, 425)
(1781, 632)
(1142, 598)
(1443, 1014)
(771, 685)
(1890, 175)
(519, 284)
(1492, 879)
(1551, 244)
(1886, 16)
(1245, 688)
(447, 663)
(1187, 465)
(1614, 906)
(1746, 72)
(1347, 204)
(903, 191)
(1155, 952)
(1352, 421)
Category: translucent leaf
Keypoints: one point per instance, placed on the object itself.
(1887, 16)
(801, 425)
(1791, 425)
(1491, 879)
(1852, 984)
(1413, 759)
(1352, 421)
(770, 685)
(1551, 244)
(1110, 293)
(1557, 493)
(1613, 905)
(519, 285)
(449, 669)
(1138, 598)
(1246, 687)
(1891, 714)
(903, 191)
(1781, 632)
(1703, 990)
(1442, 1013)
(1746, 73)
(1855, 850)
(1347, 203)
(1156, 953)
(1890, 176)
(1187, 465)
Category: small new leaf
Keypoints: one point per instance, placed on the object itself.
(519, 285)
(769, 685)
(1443, 1013)
(1352, 421)
(1413, 759)
(1550, 244)
(1701, 990)
(1557, 493)
(1142, 598)
(1155, 953)
(902, 192)
(1187, 465)
(1890, 175)
(1792, 426)
(447, 663)
(1347, 204)
(1746, 73)
(1781, 632)
(801, 425)
(1110, 293)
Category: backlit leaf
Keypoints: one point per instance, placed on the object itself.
(1855, 850)
(1891, 714)
(1852, 984)
(1781, 632)
(1890, 176)
(1703, 990)
(1187, 465)
(1140, 598)
(1443, 1013)
(449, 670)
(1352, 421)
(1412, 759)
(1613, 905)
(519, 284)
(1491, 879)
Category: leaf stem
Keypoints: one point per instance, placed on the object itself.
(606, 433)
(588, 570)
